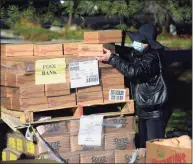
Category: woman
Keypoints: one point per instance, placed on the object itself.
(142, 66)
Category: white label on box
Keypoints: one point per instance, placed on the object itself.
(50, 71)
(90, 130)
(117, 94)
(84, 73)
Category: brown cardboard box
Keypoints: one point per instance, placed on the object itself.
(29, 104)
(48, 49)
(94, 49)
(90, 97)
(69, 157)
(97, 157)
(3, 78)
(62, 101)
(103, 36)
(112, 81)
(55, 128)
(7, 102)
(110, 73)
(16, 80)
(120, 141)
(127, 124)
(124, 156)
(10, 155)
(73, 126)
(116, 86)
(166, 154)
(90, 89)
(71, 48)
(29, 91)
(17, 50)
(75, 147)
(60, 143)
(90, 49)
(7, 91)
(106, 95)
(57, 89)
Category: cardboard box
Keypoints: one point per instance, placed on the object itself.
(48, 49)
(71, 48)
(90, 49)
(166, 154)
(90, 89)
(112, 81)
(97, 157)
(57, 89)
(106, 95)
(103, 36)
(90, 97)
(16, 50)
(35, 161)
(73, 126)
(110, 73)
(23, 104)
(124, 156)
(30, 148)
(76, 148)
(17, 142)
(16, 80)
(116, 86)
(56, 128)
(94, 49)
(69, 157)
(10, 155)
(62, 101)
(7, 102)
(60, 143)
(127, 124)
(7, 91)
(120, 141)
(31, 91)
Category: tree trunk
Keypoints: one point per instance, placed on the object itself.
(124, 32)
(69, 19)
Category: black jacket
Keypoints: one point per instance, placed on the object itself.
(139, 68)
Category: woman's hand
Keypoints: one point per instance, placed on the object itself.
(105, 56)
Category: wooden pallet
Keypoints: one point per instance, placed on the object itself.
(75, 112)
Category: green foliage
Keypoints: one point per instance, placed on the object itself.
(180, 9)
(13, 14)
(2, 13)
(122, 27)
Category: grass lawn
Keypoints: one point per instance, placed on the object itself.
(41, 34)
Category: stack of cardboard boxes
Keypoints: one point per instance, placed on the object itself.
(20, 93)
(117, 144)
(18, 87)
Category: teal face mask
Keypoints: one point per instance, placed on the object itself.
(138, 46)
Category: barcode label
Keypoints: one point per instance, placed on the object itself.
(93, 78)
(75, 68)
(117, 94)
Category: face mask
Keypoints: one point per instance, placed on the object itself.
(138, 46)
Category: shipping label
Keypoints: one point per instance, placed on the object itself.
(84, 73)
